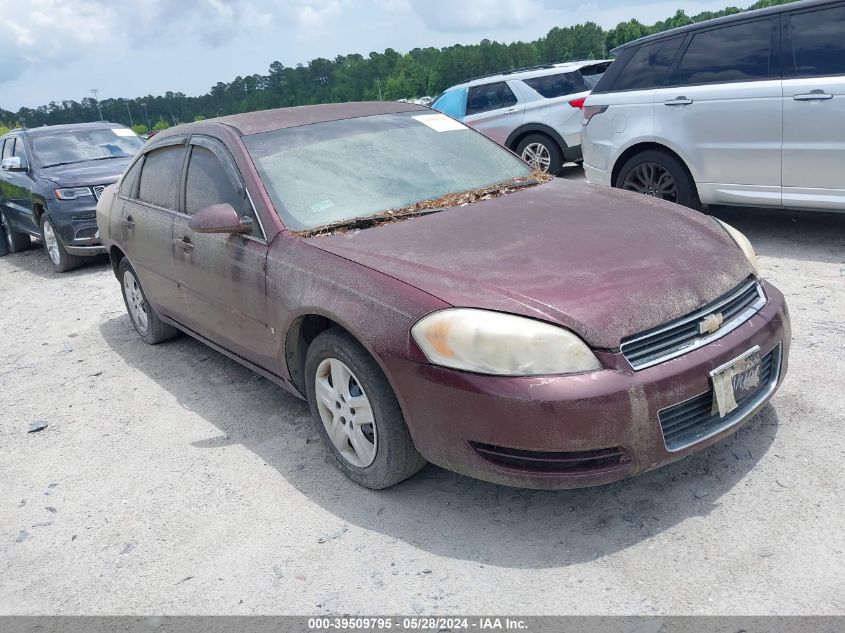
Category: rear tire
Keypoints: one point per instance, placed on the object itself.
(541, 152)
(62, 260)
(150, 328)
(659, 175)
(375, 450)
(13, 241)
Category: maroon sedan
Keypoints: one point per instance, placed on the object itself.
(436, 301)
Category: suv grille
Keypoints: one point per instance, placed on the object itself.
(98, 191)
(684, 335)
(554, 462)
(692, 421)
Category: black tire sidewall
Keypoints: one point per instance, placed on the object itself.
(555, 153)
(687, 193)
(12, 241)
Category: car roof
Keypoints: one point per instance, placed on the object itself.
(47, 130)
(727, 19)
(527, 73)
(281, 118)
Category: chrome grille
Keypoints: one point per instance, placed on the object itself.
(98, 191)
(693, 420)
(684, 335)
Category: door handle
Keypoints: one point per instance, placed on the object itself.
(184, 243)
(510, 111)
(678, 101)
(128, 222)
(813, 95)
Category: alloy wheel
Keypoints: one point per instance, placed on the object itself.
(537, 155)
(652, 179)
(346, 412)
(51, 242)
(135, 302)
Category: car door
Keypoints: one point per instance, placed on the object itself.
(150, 196)
(222, 275)
(17, 188)
(493, 110)
(814, 108)
(720, 108)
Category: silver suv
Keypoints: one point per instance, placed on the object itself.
(742, 110)
(535, 112)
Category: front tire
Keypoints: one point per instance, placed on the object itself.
(62, 260)
(659, 175)
(151, 329)
(541, 152)
(13, 241)
(357, 414)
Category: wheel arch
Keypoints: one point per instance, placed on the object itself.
(515, 137)
(115, 257)
(645, 146)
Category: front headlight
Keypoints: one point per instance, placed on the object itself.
(72, 193)
(739, 238)
(488, 342)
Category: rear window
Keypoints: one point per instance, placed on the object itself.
(742, 52)
(558, 85)
(648, 65)
(490, 97)
(818, 43)
(160, 176)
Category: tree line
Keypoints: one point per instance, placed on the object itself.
(388, 75)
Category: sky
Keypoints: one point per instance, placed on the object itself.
(52, 50)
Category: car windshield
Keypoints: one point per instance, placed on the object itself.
(84, 145)
(327, 173)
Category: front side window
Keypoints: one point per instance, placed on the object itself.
(84, 145)
(648, 65)
(324, 173)
(452, 102)
(160, 176)
(208, 183)
(818, 43)
(558, 85)
(742, 52)
(9, 147)
(490, 97)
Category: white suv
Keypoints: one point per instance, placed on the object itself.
(536, 112)
(743, 110)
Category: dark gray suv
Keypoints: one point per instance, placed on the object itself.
(50, 180)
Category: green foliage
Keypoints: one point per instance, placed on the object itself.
(385, 75)
(4, 128)
(140, 128)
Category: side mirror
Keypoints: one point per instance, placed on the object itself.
(219, 218)
(14, 163)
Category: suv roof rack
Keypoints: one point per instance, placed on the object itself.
(511, 71)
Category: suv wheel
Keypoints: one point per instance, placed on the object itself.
(357, 414)
(541, 152)
(659, 175)
(13, 242)
(62, 260)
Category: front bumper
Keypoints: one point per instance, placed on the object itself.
(76, 224)
(458, 419)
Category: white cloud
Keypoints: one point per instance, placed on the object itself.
(476, 15)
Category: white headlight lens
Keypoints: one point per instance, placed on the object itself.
(743, 242)
(488, 342)
(72, 193)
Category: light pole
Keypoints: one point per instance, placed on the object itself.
(131, 124)
(95, 92)
(147, 116)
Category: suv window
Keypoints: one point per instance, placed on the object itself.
(490, 97)
(559, 85)
(648, 65)
(160, 176)
(741, 52)
(19, 151)
(7, 148)
(818, 43)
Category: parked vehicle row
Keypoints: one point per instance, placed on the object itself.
(50, 180)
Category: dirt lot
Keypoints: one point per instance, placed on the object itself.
(170, 479)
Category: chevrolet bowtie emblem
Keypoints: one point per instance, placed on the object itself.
(710, 323)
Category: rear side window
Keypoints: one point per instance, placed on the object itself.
(559, 85)
(453, 103)
(130, 180)
(818, 43)
(160, 176)
(742, 52)
(490, 97)
(648, 65)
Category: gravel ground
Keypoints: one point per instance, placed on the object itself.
(172, 480)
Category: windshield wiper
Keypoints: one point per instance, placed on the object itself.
(366, 222)
(87, 160)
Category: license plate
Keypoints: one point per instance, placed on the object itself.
(735, 380)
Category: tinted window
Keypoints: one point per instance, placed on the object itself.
(818, 43)
(558, 85)
(489, 97)
(208, 183)
(127, 185)
(733, 53)
(8, 147)
(648, 65)
(160, 176)
(453, 103)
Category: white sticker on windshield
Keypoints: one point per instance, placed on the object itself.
(122, 131)
(321, 206)
(440, 122)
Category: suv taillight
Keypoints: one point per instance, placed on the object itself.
(578, 103)
(591, 111)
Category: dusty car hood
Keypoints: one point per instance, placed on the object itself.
(99, 172)
(602, 262)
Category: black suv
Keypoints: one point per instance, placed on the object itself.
(50, 180)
